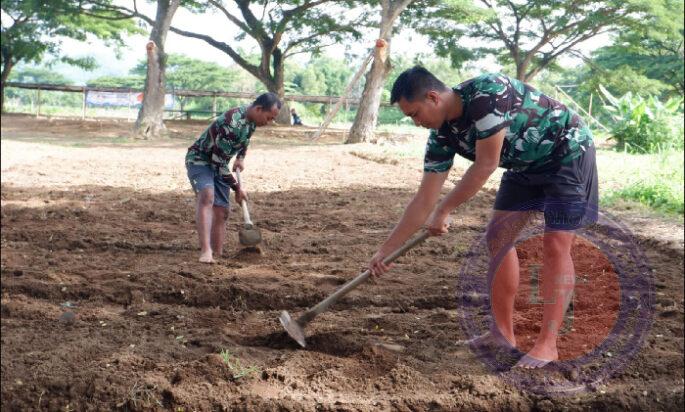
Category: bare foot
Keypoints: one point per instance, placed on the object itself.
(206, 257)
(492, 339)
(539, 356)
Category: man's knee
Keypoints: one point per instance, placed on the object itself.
(205, 197)
(498, 239)
(221, 213)
(557, 244)
(503, 229)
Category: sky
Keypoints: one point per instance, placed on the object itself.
(216, 25)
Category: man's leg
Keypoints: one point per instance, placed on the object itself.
(503, 230)
(219, 229)
(558, 280)
(203, 217)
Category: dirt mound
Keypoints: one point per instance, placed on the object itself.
(104, 307)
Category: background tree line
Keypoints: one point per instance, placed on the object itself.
(528, 39)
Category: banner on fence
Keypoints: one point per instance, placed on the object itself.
(117, 99)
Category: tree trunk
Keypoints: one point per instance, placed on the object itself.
(521, 71)
(284, 115)
(150, 122)
(6, 69)
(279, 83)
(367, 112)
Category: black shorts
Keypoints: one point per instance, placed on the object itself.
(568, 197)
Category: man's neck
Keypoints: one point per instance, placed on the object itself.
(249, 110)
(455, 106)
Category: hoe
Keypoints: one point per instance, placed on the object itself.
(295, 328)
(249, 235)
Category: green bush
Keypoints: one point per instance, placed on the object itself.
(645, 125)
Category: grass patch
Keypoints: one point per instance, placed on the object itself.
(653, 180)
(658, 196)
(238, 371)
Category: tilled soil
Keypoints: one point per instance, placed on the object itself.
(104, 306)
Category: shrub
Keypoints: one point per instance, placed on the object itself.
(645, 125)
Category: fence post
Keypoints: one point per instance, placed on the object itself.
(128, 114)
(213, 104)
(38, 104)
(83, 104)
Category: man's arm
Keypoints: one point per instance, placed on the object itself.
(228, 177)
(414, 216)
(487, 160)
(231, 181)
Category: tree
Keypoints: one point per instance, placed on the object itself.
(367, 113)
(654, 49)
(531, 34)
(281, 29)
(26, 74)
(33, 28)
(134, 81)
(185, 73)
(150, 121)
(323, 76)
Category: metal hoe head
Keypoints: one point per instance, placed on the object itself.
(249, 236)
(293, 328)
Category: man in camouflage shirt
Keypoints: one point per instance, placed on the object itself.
(207, 165)
(548, 152)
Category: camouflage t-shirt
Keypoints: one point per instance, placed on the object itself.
(228, 136)
(541, 133)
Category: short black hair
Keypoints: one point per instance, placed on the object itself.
(267, 101)
(414, 83)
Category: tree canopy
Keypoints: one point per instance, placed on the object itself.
(31, 29)
(531, 35)
(654, 50)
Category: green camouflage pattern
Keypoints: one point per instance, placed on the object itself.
(541, 133)
(228, 136)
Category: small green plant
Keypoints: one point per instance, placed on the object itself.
(235, 366)
(645, 125)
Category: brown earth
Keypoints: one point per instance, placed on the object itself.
(104, 307)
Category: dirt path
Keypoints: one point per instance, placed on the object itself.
(102, 228)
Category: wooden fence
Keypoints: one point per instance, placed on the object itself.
(329, 100)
